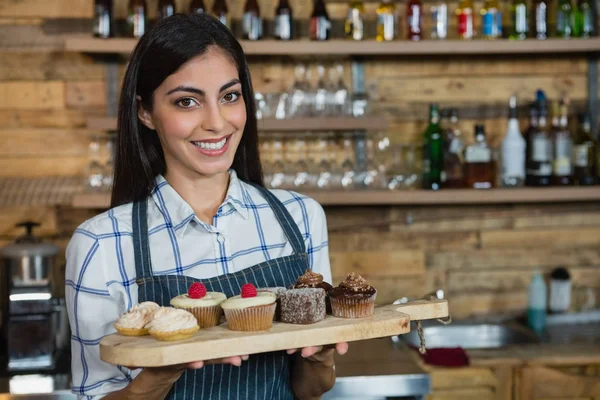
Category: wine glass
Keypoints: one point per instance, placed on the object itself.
(94, 172)
(348, 166)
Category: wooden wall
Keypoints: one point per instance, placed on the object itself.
(482, 256)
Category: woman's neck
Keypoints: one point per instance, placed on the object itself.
(204, 194)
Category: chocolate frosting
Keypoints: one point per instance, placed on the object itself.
(312, 279)
(353, 285)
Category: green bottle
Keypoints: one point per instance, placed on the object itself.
(519, 20)
(584, 19)
(433, 151)
(564, 19)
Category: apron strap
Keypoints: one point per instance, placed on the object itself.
(289, 226)
(141, 250)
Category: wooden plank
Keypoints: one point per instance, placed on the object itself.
(392, 263)
(390, 241)
(47, 9)
(32, 95)
(30, 167)
(460, 378)
(28, 38)
(85, 94)
(556, 238)
(463, 394)
(551, 383)
(58, 118)
(21, 21)
(42, 142)
(49, 66)
(367, 47)
(477, 304)
(505, 386)
(9, 217)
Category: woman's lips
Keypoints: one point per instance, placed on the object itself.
(212, 147)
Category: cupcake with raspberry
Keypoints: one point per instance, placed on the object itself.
(205, 306)
(353, 298)
(250, 311)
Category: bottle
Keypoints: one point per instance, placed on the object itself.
(197, 7)
(562, 146)
(539, 149)
(539, 17)
(354, 25)
(491, 20)
(537, 303)
(454, 177)
(414, 19)
(221, 12)
(320, 24)
(284, 21)
(103, 20)
(433, 151)
(533, 122)
(584, 153)
(564, 19)
(465, 12)
(584, 19)
(252, 21)
(513, 150)
(386, 21)
(479, 165)
(137, 18)
(166, 8)
(439, 16)
(560, 290)
(519, 22)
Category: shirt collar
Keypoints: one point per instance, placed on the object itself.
(179, 213)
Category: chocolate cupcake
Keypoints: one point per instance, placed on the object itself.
(314, 280)
(353, 298)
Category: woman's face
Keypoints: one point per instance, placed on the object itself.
(199, 115)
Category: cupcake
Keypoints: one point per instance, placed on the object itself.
(277, 291)
(312, 279)
(206, 306)
(172, 324)
(133, 323)
(353, 298)
(251, 311)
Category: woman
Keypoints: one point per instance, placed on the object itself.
(188, 205)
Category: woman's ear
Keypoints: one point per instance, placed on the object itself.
(144, 115)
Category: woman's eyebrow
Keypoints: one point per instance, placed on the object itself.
(229, 84)
(186, 89)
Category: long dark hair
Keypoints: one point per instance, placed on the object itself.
(160, 52)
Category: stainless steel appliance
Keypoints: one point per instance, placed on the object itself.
(30, 312)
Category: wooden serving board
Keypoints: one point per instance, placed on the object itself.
(218, 342)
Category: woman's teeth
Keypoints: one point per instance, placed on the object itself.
(212, 145)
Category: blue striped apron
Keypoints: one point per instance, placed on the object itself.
(264, 376)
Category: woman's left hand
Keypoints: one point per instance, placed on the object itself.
(314, 352)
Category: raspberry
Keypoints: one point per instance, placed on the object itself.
(248, 290)
(197, 291)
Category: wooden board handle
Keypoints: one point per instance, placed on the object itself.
(437, 309)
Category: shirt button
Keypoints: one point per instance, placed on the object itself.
(220, 238)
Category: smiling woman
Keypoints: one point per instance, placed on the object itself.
(188, 206)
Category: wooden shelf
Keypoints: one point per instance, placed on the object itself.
(286, 125)
(416, 197)
(87, 44)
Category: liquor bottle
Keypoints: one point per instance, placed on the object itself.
(513, 150)
(103, 20)
(479, 165)
(354, 25)
(221, 12)
(564, 19)
(166, 8)
(584, 153)
(533, 121)
(562, 168)
(453, 153)
(414, 19)
(439, 16)
(252, 21)
(539, 19)
(433, 151)
(584, 19)
(539, 149)
(137, 18)
(491, 20)
(197, 7)
(519, 22)
(320, 24)
(386, 21)
(284, 21)
(465, 12)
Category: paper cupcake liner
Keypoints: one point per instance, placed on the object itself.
(347, 307)
(251, 319)
(206, 316)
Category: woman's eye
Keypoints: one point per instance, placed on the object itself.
(231, 97)
(186, 103)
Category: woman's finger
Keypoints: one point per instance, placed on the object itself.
(195, 365)
(342, 348)
(311, 351)
(291, 351)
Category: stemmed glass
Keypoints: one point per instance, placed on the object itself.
(94, 172)
(348, 166)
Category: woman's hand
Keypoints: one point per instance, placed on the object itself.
(317, 353)
(235, 361)
(313, 371)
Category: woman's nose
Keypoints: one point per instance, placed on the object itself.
(214, 120)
